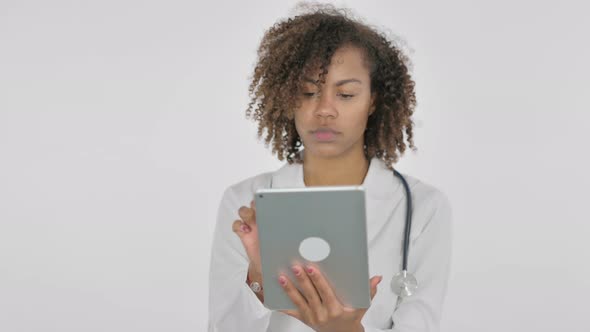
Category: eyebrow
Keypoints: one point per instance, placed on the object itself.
(339, 83)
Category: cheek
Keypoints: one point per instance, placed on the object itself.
(302, 118)
(355, 121)
(299, 125)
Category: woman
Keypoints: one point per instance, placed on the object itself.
(337, 88)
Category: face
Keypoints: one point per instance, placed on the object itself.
(332, 123)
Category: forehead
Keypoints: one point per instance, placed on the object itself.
(347, 62)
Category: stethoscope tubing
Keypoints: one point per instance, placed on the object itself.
(408, 225)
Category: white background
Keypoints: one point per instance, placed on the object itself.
(122, 122)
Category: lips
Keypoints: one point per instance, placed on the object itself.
(324, 130)
(324, 134)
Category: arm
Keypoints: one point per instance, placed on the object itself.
(430, 258)
(233, 306)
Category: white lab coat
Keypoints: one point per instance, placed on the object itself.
(234, 307)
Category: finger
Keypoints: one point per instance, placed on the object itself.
(293, 294)
(307, 288)
(322, 285)
(240, 228)
(253, 208)
(247, 216)
(374, 282)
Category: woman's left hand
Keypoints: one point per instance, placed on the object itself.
(318, 307)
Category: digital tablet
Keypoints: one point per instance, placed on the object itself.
(325, 225)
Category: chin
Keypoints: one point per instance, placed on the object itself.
(324, 150)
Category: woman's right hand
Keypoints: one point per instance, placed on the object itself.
(247, 230)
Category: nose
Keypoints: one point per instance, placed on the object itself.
(325, 107)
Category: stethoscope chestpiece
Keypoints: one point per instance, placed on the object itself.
(404, 284)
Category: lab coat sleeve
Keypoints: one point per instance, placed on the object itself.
(430, 258)
(233, 306)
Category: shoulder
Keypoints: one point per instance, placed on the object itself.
(426, 193)
(234, 196)
(431, 206)
(242, 192)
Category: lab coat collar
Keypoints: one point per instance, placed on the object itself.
(379, 183)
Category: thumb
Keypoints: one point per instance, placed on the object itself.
(374, 282)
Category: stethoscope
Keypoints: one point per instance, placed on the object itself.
(404, 284)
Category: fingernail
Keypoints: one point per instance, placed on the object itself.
(245, 228)
(296, 270)
(309, 270)
(282, 280)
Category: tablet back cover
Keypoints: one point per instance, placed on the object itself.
(290, 222)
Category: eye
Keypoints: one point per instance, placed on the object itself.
(308, 94)
(345, 96)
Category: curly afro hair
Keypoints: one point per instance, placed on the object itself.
(293, 48)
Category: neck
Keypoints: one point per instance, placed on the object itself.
(349, 169)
